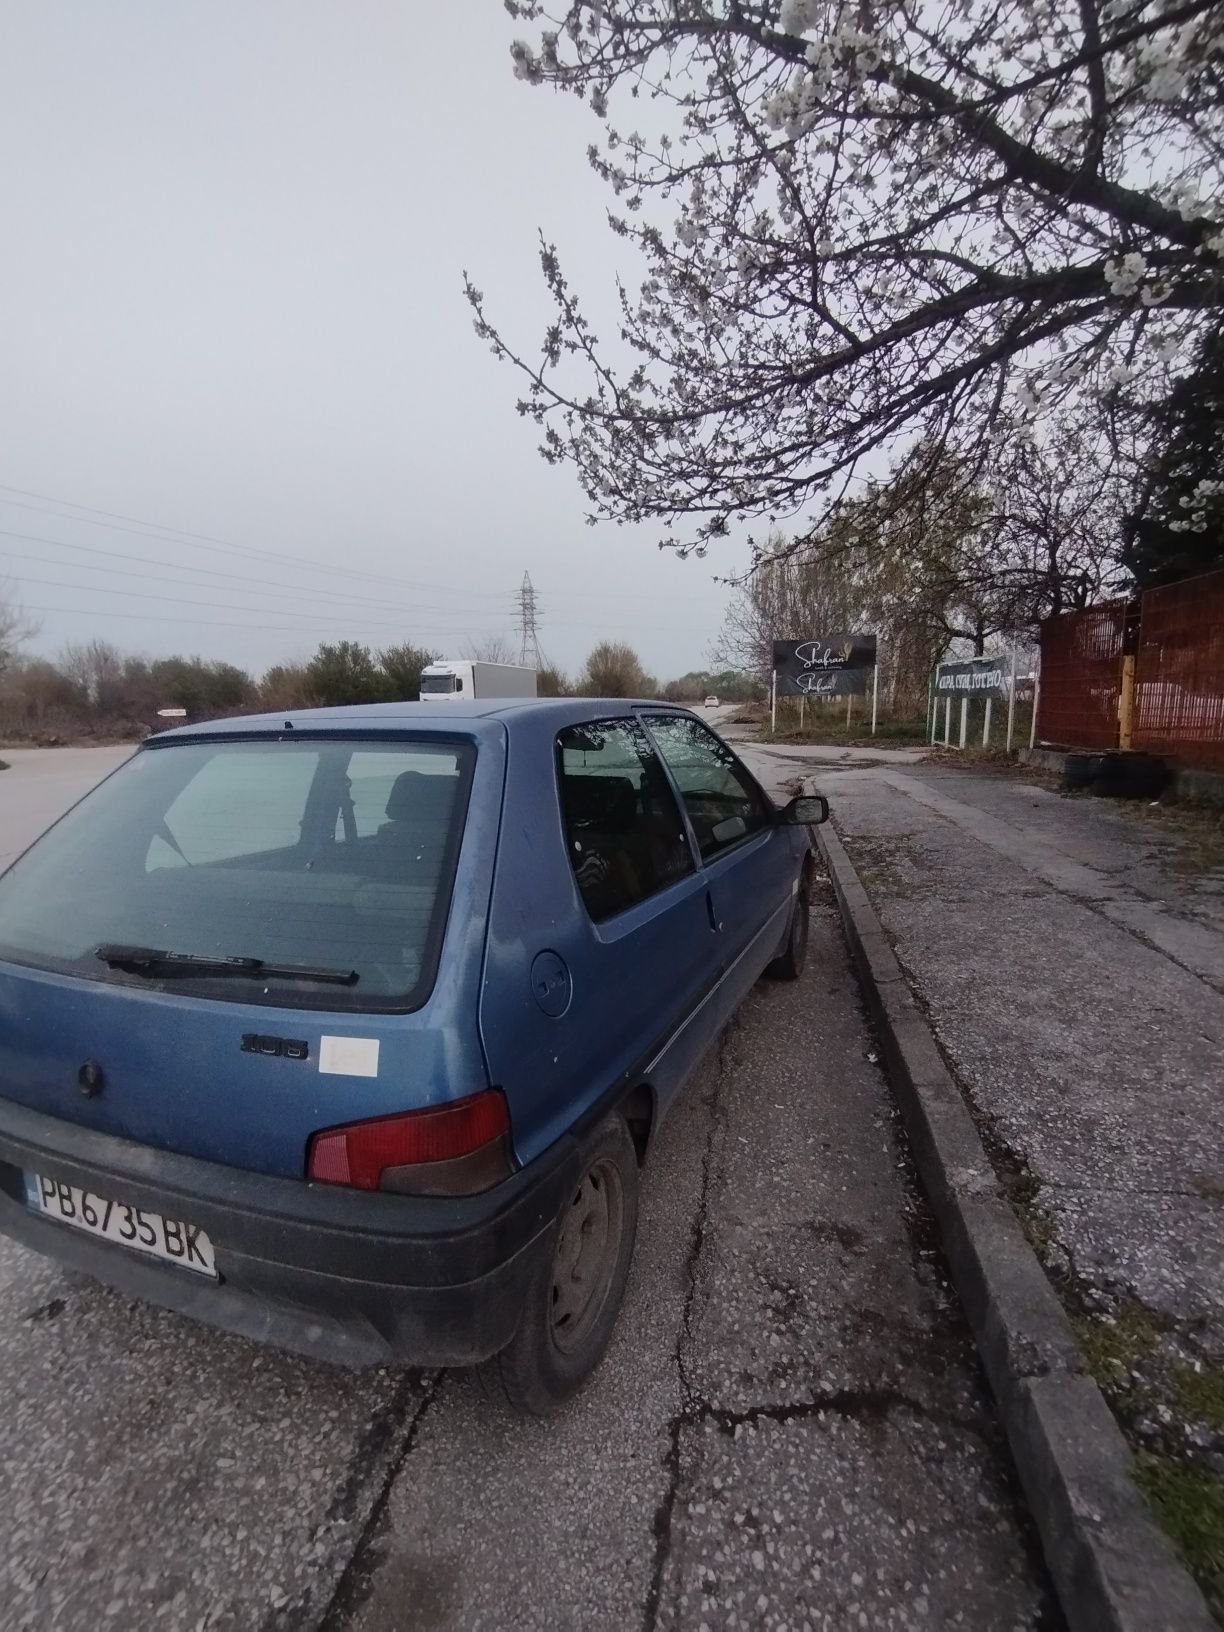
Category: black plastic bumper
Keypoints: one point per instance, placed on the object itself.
(344, 1275)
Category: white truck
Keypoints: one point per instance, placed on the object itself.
(456, 679)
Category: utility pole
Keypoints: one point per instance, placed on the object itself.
(528, 624)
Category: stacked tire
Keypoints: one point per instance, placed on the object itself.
(1116, 775)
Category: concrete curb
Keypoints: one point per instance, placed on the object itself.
(1189, 781)
(1114, 1570)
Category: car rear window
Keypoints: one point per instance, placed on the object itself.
(324, 855)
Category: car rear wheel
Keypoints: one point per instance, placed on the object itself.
(578, 1285)
(789, 966)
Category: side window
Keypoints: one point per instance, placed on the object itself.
(624, 830)
(225, 811)
(723, 803)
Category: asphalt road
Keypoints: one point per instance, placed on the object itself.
(40, 784)
(789, 1430)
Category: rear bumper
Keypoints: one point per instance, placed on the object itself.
(344, 1275)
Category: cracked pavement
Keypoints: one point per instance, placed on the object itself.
(789, 1429)
(1075, 980)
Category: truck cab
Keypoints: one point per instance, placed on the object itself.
(444, 680)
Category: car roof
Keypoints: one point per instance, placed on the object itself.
(475, 717)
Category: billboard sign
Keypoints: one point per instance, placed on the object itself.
(977, 677)
(830, 666)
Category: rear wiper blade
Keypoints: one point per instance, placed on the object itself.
(151, 960)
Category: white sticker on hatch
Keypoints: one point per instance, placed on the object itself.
(349, 1056)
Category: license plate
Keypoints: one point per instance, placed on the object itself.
(134, 1227)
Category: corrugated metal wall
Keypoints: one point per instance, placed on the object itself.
(1081, 677)
(1179, 672)
(1177, 636)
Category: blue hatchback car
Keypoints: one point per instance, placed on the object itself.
(349, 1030)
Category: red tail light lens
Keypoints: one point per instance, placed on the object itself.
(455, 1149)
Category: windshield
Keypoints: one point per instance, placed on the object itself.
(310, 854)
(437, 683)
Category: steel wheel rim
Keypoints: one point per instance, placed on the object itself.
(587, 1250)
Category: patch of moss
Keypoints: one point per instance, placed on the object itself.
(1200, 1394)
(1022, 1189)
(1125, 1341)
(1039, 1231)
(1190, 1504)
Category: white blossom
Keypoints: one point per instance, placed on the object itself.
(1184, 197)
(869, 186)
(797, 16)
(1125, 276)
(526, 64)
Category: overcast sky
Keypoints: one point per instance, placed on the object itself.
(231, 305)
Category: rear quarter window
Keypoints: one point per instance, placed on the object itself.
(624, 832)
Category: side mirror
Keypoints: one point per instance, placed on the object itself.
(808, 810)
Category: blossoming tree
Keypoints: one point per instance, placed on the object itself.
(862, 226)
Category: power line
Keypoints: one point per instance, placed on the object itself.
(227, 578)
(139, 528)
(526, 598)
(195, 623)
(180, 536)
(224, 606)
(356, 624)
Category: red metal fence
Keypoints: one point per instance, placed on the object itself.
(1179, 672)
(1081, 677)
(1177, 637)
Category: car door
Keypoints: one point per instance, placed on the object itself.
(751, 861)
(618, 933)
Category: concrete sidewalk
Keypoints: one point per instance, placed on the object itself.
(1070, 957)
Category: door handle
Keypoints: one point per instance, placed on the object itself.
(714, 924)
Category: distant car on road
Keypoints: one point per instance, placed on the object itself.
(349, 1031)
(711, 702)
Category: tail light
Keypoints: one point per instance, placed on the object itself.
(448, 1150)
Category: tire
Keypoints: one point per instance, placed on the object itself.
(571, 1305)
(789, 965)
(1082, 770)
(1131, 776)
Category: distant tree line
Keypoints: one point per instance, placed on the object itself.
(94, 689)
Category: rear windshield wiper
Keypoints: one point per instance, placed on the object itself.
(150, 960)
